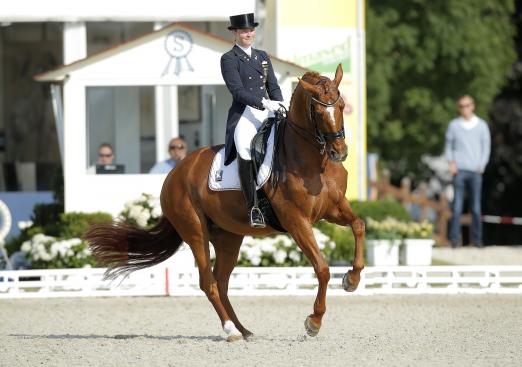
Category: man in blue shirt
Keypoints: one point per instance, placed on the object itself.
(177, 151)
(467, 149)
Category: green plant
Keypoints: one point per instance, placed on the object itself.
(380, 210)
(343, 238)
(74, 224)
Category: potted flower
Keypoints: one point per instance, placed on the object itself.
(417, 243)
(382, 242)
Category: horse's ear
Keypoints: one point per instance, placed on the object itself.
(338, 75)
(309, 87)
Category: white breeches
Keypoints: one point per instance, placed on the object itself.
(247, 127)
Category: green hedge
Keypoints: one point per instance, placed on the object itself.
(50, 220)
(380, 209)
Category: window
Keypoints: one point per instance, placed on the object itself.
(123, 118)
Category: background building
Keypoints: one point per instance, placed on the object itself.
(139, 117)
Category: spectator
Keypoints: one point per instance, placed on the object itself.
(105, 154)
(105, 161)
(467, 151)
(177, 151)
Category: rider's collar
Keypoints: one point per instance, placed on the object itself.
(247, 50)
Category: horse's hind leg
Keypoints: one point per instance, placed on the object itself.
(194, 231)
(227, 247)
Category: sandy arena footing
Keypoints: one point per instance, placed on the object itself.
(458, 330)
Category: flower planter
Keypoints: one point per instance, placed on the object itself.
(382, 252)
(415, 251)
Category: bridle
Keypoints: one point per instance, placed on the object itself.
(319, 138)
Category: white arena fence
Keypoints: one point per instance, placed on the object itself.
(163, 280)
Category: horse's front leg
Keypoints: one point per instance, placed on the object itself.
(343, 215)
(305, 239)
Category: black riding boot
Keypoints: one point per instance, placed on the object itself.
(248, 186)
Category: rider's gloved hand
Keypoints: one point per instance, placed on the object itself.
(271, 105)
(285, 104)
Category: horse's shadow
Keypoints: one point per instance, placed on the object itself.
(179, 338)
(120, 337)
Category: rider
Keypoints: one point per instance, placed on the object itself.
(249, 76)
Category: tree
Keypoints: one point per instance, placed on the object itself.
(422, 55)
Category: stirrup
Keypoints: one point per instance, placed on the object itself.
(260, 220)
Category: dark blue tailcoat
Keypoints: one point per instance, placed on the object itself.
(243, 76)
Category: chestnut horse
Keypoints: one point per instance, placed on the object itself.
(313, 187)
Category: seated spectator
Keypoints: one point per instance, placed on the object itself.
(105, 163)
(177, 151)
(105, 154)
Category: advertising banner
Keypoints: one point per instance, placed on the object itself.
(319, 35)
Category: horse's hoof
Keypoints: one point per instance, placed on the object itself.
(234, 338)
(311, 328)
(347, 285)
(247, 335)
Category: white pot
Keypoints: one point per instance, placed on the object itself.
(416, 251)
(382, 252)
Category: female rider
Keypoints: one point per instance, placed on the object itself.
(249, 75)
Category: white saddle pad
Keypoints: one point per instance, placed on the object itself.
(223, 177)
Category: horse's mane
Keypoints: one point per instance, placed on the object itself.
(279, 168)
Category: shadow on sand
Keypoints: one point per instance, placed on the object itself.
(119, 336)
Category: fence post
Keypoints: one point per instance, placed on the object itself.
(406, 192)
(442, 222)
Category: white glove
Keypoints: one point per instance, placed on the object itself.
(271, 105)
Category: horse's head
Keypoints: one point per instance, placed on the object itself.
(325, 107)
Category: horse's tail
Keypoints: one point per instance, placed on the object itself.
(123, 248)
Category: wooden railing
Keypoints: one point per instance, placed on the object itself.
(405, 196)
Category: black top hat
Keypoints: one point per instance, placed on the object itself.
(242, 21)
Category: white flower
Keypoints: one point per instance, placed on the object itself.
(280, 256)
(267, 245)
(255, 260)
(25, 224)
(143, 218)
(26, 247)
(55, 248)
(252, 252)
(294, 256)
(45, 256)
(285, 240)
(134, 212)
(156, 211)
